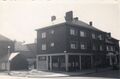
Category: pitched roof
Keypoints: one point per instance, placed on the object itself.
(73, 23)
(82, 24)
(3, 38)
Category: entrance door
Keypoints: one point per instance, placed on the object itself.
(74, 63)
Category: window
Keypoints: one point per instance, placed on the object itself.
(111, 48)
(101, 48)
(43, 46)
(93, 35)
(100, 37)
(73, 45)
(93, 47)
(44, 35)
(82, 33)
(52, 44)
(52, 31)
(107, 48)
(83, 46)
(42, 58)
(73, 32)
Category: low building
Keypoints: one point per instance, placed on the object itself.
(28, 53)
(74, 46)
(6, 47)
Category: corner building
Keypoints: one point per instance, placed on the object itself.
(74, 46)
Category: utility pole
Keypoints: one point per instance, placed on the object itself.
(8, 63)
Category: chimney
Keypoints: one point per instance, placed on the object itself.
(69, 16)
(76, 18)
(90, 23)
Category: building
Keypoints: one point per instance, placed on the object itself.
(6, 47)
(26, 52)
(74, 46)
(18, 61)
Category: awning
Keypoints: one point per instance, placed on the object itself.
(12, 55)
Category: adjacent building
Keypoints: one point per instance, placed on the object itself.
(6, 47)
(26, 57)
(74, 46)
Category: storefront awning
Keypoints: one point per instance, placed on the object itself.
(12, 55)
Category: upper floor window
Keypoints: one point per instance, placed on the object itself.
(73, 32)
(43, 46)
(101, 48)
(52, 44)
(52, 31)
(82, 33)
(83, 46)
(110, 48)
(93, 36)
(100, 37)
(107, 47)
(93, 47)
(44, 35)
(73, 45)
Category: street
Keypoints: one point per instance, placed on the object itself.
(111, 74)
(13, 77)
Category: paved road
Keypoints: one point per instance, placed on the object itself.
(101, 75)
(13, 77)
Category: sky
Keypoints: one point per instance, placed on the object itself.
(20, 18)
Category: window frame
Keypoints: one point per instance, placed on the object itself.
(82, 33)
(52, 44)
(44, 47)
(93, 36)
(43, 35)
(83, 44)
(75, 43)
(73, 31)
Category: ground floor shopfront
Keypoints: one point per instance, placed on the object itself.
(65, 62)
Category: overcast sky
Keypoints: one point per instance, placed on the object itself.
(19, 19)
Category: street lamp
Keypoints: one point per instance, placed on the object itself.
(8, 63)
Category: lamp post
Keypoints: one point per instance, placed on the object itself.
(8, 63)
